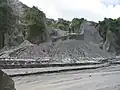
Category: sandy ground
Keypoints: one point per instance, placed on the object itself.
(106, 78)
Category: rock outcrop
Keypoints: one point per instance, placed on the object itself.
(16, 28)
(34, 36)
(6, 83)
(88, 46)
(109, 31)
(11, 29)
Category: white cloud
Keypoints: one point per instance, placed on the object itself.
(68, 9)
(111, 2)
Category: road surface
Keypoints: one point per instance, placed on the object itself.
(106, 78)
(29, 71)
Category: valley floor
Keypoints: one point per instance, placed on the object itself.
(106, 78)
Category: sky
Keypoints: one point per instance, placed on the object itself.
(93, 10)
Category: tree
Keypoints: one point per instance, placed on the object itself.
(35, 21)
(111, 26)
(7, 20)
(63, 24)
(75, 23)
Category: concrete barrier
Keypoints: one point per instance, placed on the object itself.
(38, 71)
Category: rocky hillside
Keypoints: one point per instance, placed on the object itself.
(18, 22)
(27, 33)
(109, 30)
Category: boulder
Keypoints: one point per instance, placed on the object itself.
(6, 83)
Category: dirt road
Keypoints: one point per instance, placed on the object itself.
(99, 79)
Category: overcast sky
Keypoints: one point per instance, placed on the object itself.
(94, 10)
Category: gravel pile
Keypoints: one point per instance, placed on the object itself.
(65, 51)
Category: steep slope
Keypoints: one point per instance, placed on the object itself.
(18, 26)
(74, 49)
(110, 31)
(36, 40)
(11, 29)
(91, 33)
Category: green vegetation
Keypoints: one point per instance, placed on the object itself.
(64, 24)
(50, 22)
(7, 17)
(59, 24)
(112, 26)
(35, 22)
(109, 24)
(75, 24)
(7, 20)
